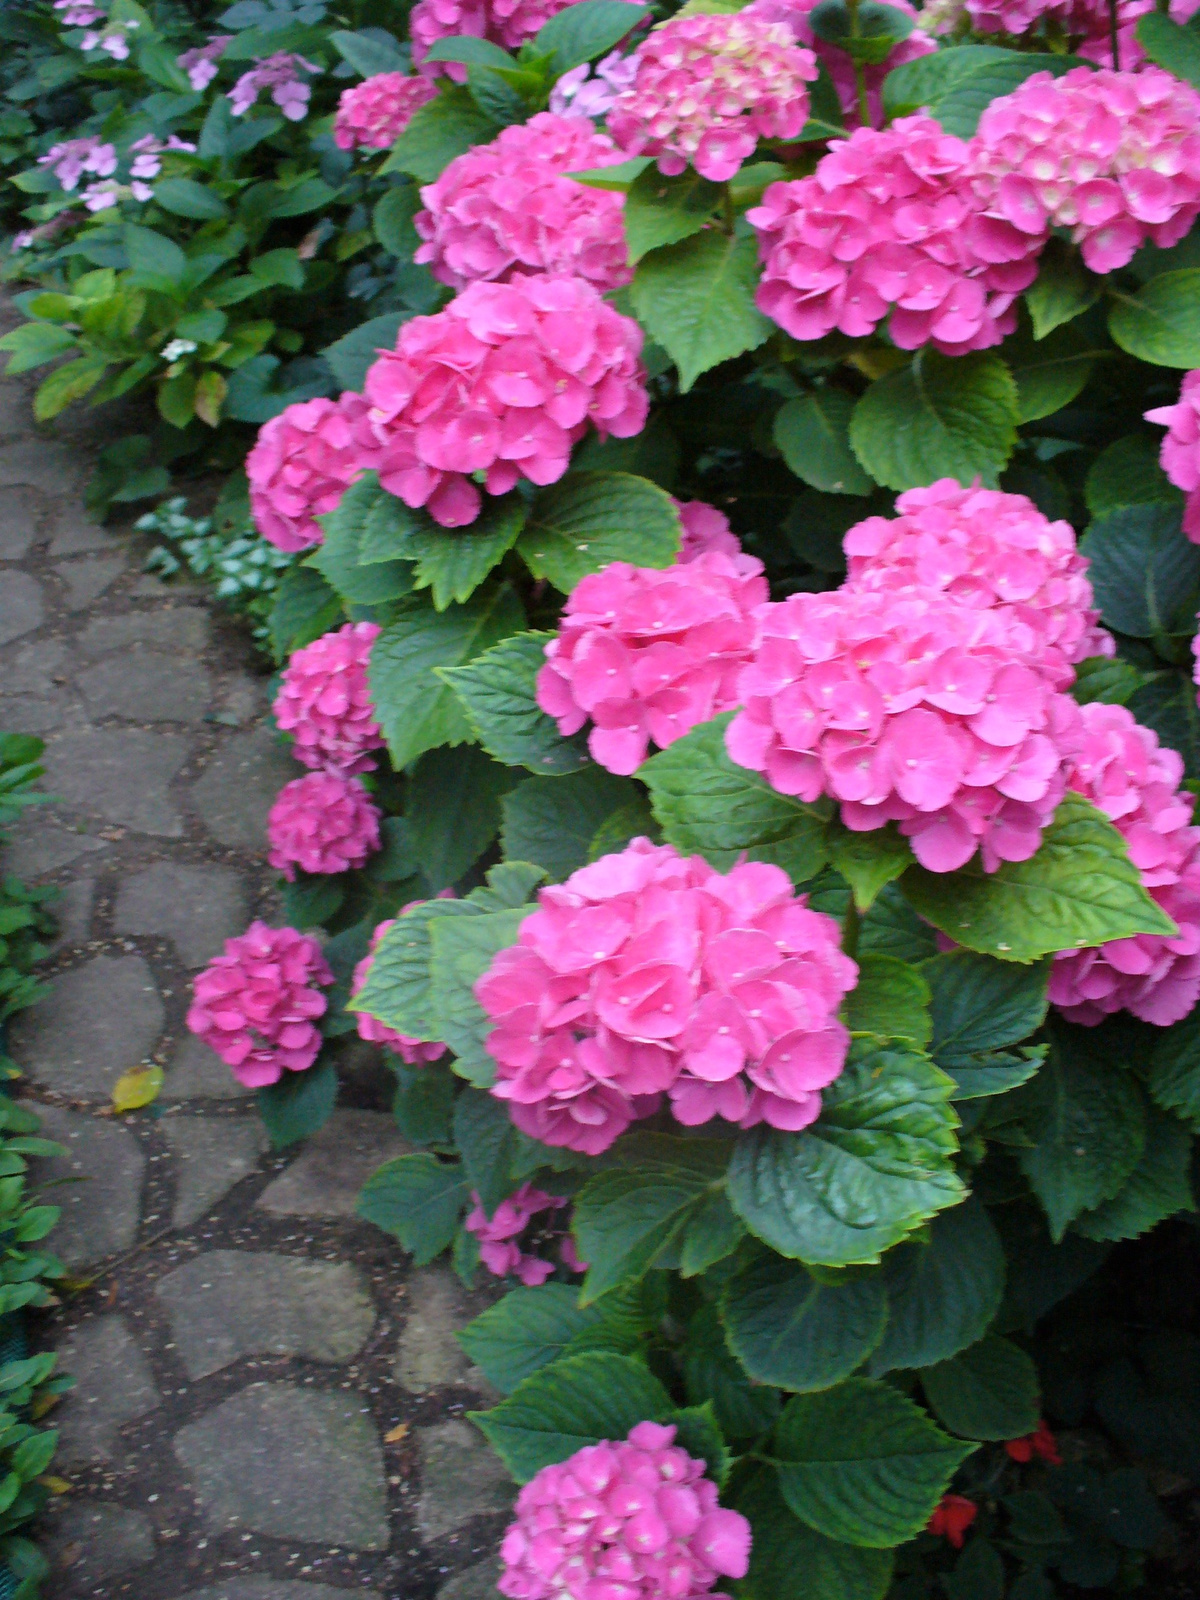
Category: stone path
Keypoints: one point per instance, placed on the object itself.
(270, 1402)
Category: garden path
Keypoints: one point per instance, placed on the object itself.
(269, 1403)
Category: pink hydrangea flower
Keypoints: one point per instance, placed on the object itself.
(1112, 156)
(281, 74)
(984, 548)
(504, 22)
(324, 701)
(648, 972)
(889, 222)
(201, 64)
(414, 1052)
(323, 822)
(1180, 453)
(705, 529)
(502, 382)
(645, 654)
(302, 463)
(372, 115)
(148, 151)
(591, 91)
(78, 13)
(256, 1004)
(112, 38)
(708, 88)
(71, 159)
(1135, 782)
(507, 207)
(632, 1520)
(909, 707)
(498, 1236)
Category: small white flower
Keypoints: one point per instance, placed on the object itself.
(178, 348)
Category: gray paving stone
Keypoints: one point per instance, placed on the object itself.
(26, 713)
(73, 913)
(97, 1022)
(196, 907)
(19, 511)
(211, 1155)
(34, 667)
(120, 774)
(195, 1072)
(85, 580)
(325, 1178)
(276, 1589)
(95, 1539)
(37, 846)
(428, 1355)
(113, 1386)
(239, 786)
(147, 686)
(476, 1583)
(179, 628)
(21, 608)
(460, 1479)
(76, 534)
(42, 463)
(227, 1304)
(104, 1168)
(291, 1463)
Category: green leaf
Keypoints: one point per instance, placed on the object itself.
(299, 1104)
(579, 525)
(877, 1163)
(1159, 1186)
(745, 1410)
(498, 692)
(305, 606)
(463, 950)
(996, 1072)
(868, 861)
(1127, 473)
(1174, 1069)
(156, 262)
(33, 344)
(791, 1561)
(799, 1332)
(418, 1200)
(488, 1143)
(368, 53)
(1145, 571)
(957, 83)
(812, 433)
(66, 384)
(392, 221)
(1079, 890)
(940, 417)
(416, 711)
(470, 51)
(552, 821)
(452, 812)
(988, 1391)
(1161, 322)
(423, 1104)
(454, 562)
(705, 803)
(698, 1432)
(862, 1463)
(444, 128)
(561, 1408)
(979, 1575)
(696, 299)
(355, 352)
(1171, 46)
(1049, 372)
(1109, 679)
(184, 197)
(661, 211)
(398, 986)
(1063, 289)
(584, 31)
(530, 1328)
(981, 1004)
(890, 1000)
(943, 1291)
(662, 1203)
(338, 558)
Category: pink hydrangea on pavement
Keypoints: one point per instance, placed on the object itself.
(708, 88)
(324, 701)
(302, 463)
(1180, 453)
(889, 221)
(648, 972)
(1112, 156)
(323, 822)
(1135, 781)
(504, 22)
(498, 1236)
(507, 207)
(646, 654)
(637, 1519)
(257, 1003)
(372, 115)
(909, 707)
(985, 548)
(282, 75)
(502, 382)
(414, 1052)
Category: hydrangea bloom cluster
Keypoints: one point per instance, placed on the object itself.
(506, 207)
(1112, 156)
(647, 654)
(499, 1234)
(71, 159)
(373, 114)
(631, 1520)
(647, 971)
(282, 74)
(889, 222)
(112, 38)
(708, 88)
(323, 822)
(705, 529)
(78, 13)
(256, 1004)
(504, 22)
(414, 1052)
(592, 91)
(201, 64)
(503, 381)
(1180, 453)
(302, 463)
(909, 707)
(984, 548)
(324, 701)
(1125, 772)
(147, 153)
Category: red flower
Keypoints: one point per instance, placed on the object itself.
(1042, 1443)
(952, 1517)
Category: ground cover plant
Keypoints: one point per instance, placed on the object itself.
(741, 581)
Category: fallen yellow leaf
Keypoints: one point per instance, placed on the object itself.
(137, 1087)
(394, 1435)
(55, 1485)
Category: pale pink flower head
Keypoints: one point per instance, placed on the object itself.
(302, 463)
(1180, 453)
(645, 655)
(708, 88)
(509, 23)
(592, 91)
(1124, 771)
(503, 383)
(500, 1248)
(1113, 157)
(282, 74)
(372, 115)
(649, 972)
(257, 1003)
(508, 207)
(637, 1519)
(324, 701)
(906, 706)
(414, 1052)
(112, 38)
(78, 13)
(70, 160)
(324, 822)
(985, 548)
(201, 64)
(890, 223)
(148, 151)
(705, 529)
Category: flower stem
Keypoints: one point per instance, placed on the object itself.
(860, 71)
(851, 924)
(1112, 33)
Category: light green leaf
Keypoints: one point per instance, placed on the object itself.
(1145, 571)
(418, 1199)
(33, 344)
(444, 128)
(462, 951)
(1063, 289)
(1161, 322)
(890, 1000)
(1159, 1186)
(498, 692)
(696, 299)
(987, 1391)
(66, 384)
(813, 434)
(552, 821)
(868, 861)
(398, 987)
(531, 1328)
(791, 1561)
(586, 30)
(799, 1332)
(1171, 46)
(453, 562)
(579, 525)
(660, 211)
